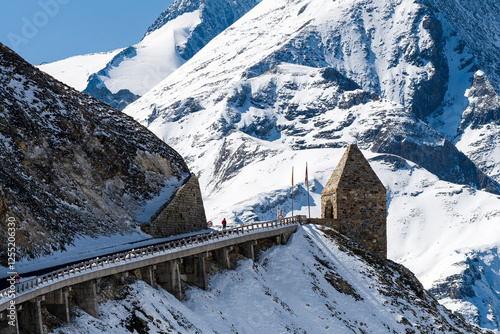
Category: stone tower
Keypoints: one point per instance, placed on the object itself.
(183, 213)
(355, 199)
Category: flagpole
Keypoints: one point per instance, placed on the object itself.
(292, 191)
(308, 205)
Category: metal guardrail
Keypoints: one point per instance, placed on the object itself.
(136, 254)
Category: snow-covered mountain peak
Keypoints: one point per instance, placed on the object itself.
(178, 8)
(279, 25)
(248, 78)
(143, 65)
(178, 33)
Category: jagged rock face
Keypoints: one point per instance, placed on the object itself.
(484, 106)
(305, 108)
(480, 127)
(410, 66)
(478, 24)
(118, 100)
(72, 166)
(467, 288)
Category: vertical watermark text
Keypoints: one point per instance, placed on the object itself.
(13, 275)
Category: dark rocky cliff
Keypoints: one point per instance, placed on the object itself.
(70, 165)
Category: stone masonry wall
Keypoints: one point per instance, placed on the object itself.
(333, 223)
(358, 202)
(362, 217)
(185, 213)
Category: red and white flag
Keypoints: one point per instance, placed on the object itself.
(306, 174)
(308, 204)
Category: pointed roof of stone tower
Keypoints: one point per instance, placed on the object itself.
(353, 172)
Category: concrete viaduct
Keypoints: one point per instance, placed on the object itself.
(166, 265)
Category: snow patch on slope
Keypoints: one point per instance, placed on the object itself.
(156, 57)
(75, 71)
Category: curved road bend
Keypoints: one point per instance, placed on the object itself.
(5, 284)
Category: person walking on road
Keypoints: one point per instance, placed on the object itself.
(224, 224)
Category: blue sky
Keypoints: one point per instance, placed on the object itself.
(49, 30)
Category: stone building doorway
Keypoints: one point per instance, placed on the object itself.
(328, 210)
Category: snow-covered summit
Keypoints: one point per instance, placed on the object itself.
(215, 17)
(242, 79)
(178, 33)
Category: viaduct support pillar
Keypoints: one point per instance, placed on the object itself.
(194, 269)
(169, 277)
(222, 257)
(86, 297)
(283, 238)
(8, 321)
(121, 277)
(247, 249)
(148, 275)
(57, 303)
(30, 317)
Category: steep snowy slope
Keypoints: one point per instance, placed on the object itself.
(290, 77)
(315, 284)
(238, 80)
(480, 127)
(75, 71)
(441, 231)
(478, 23)
(178, 33)
(71, 166)
(139, 67)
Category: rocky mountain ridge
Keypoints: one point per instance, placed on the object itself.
(72, 166)
(479, 27)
